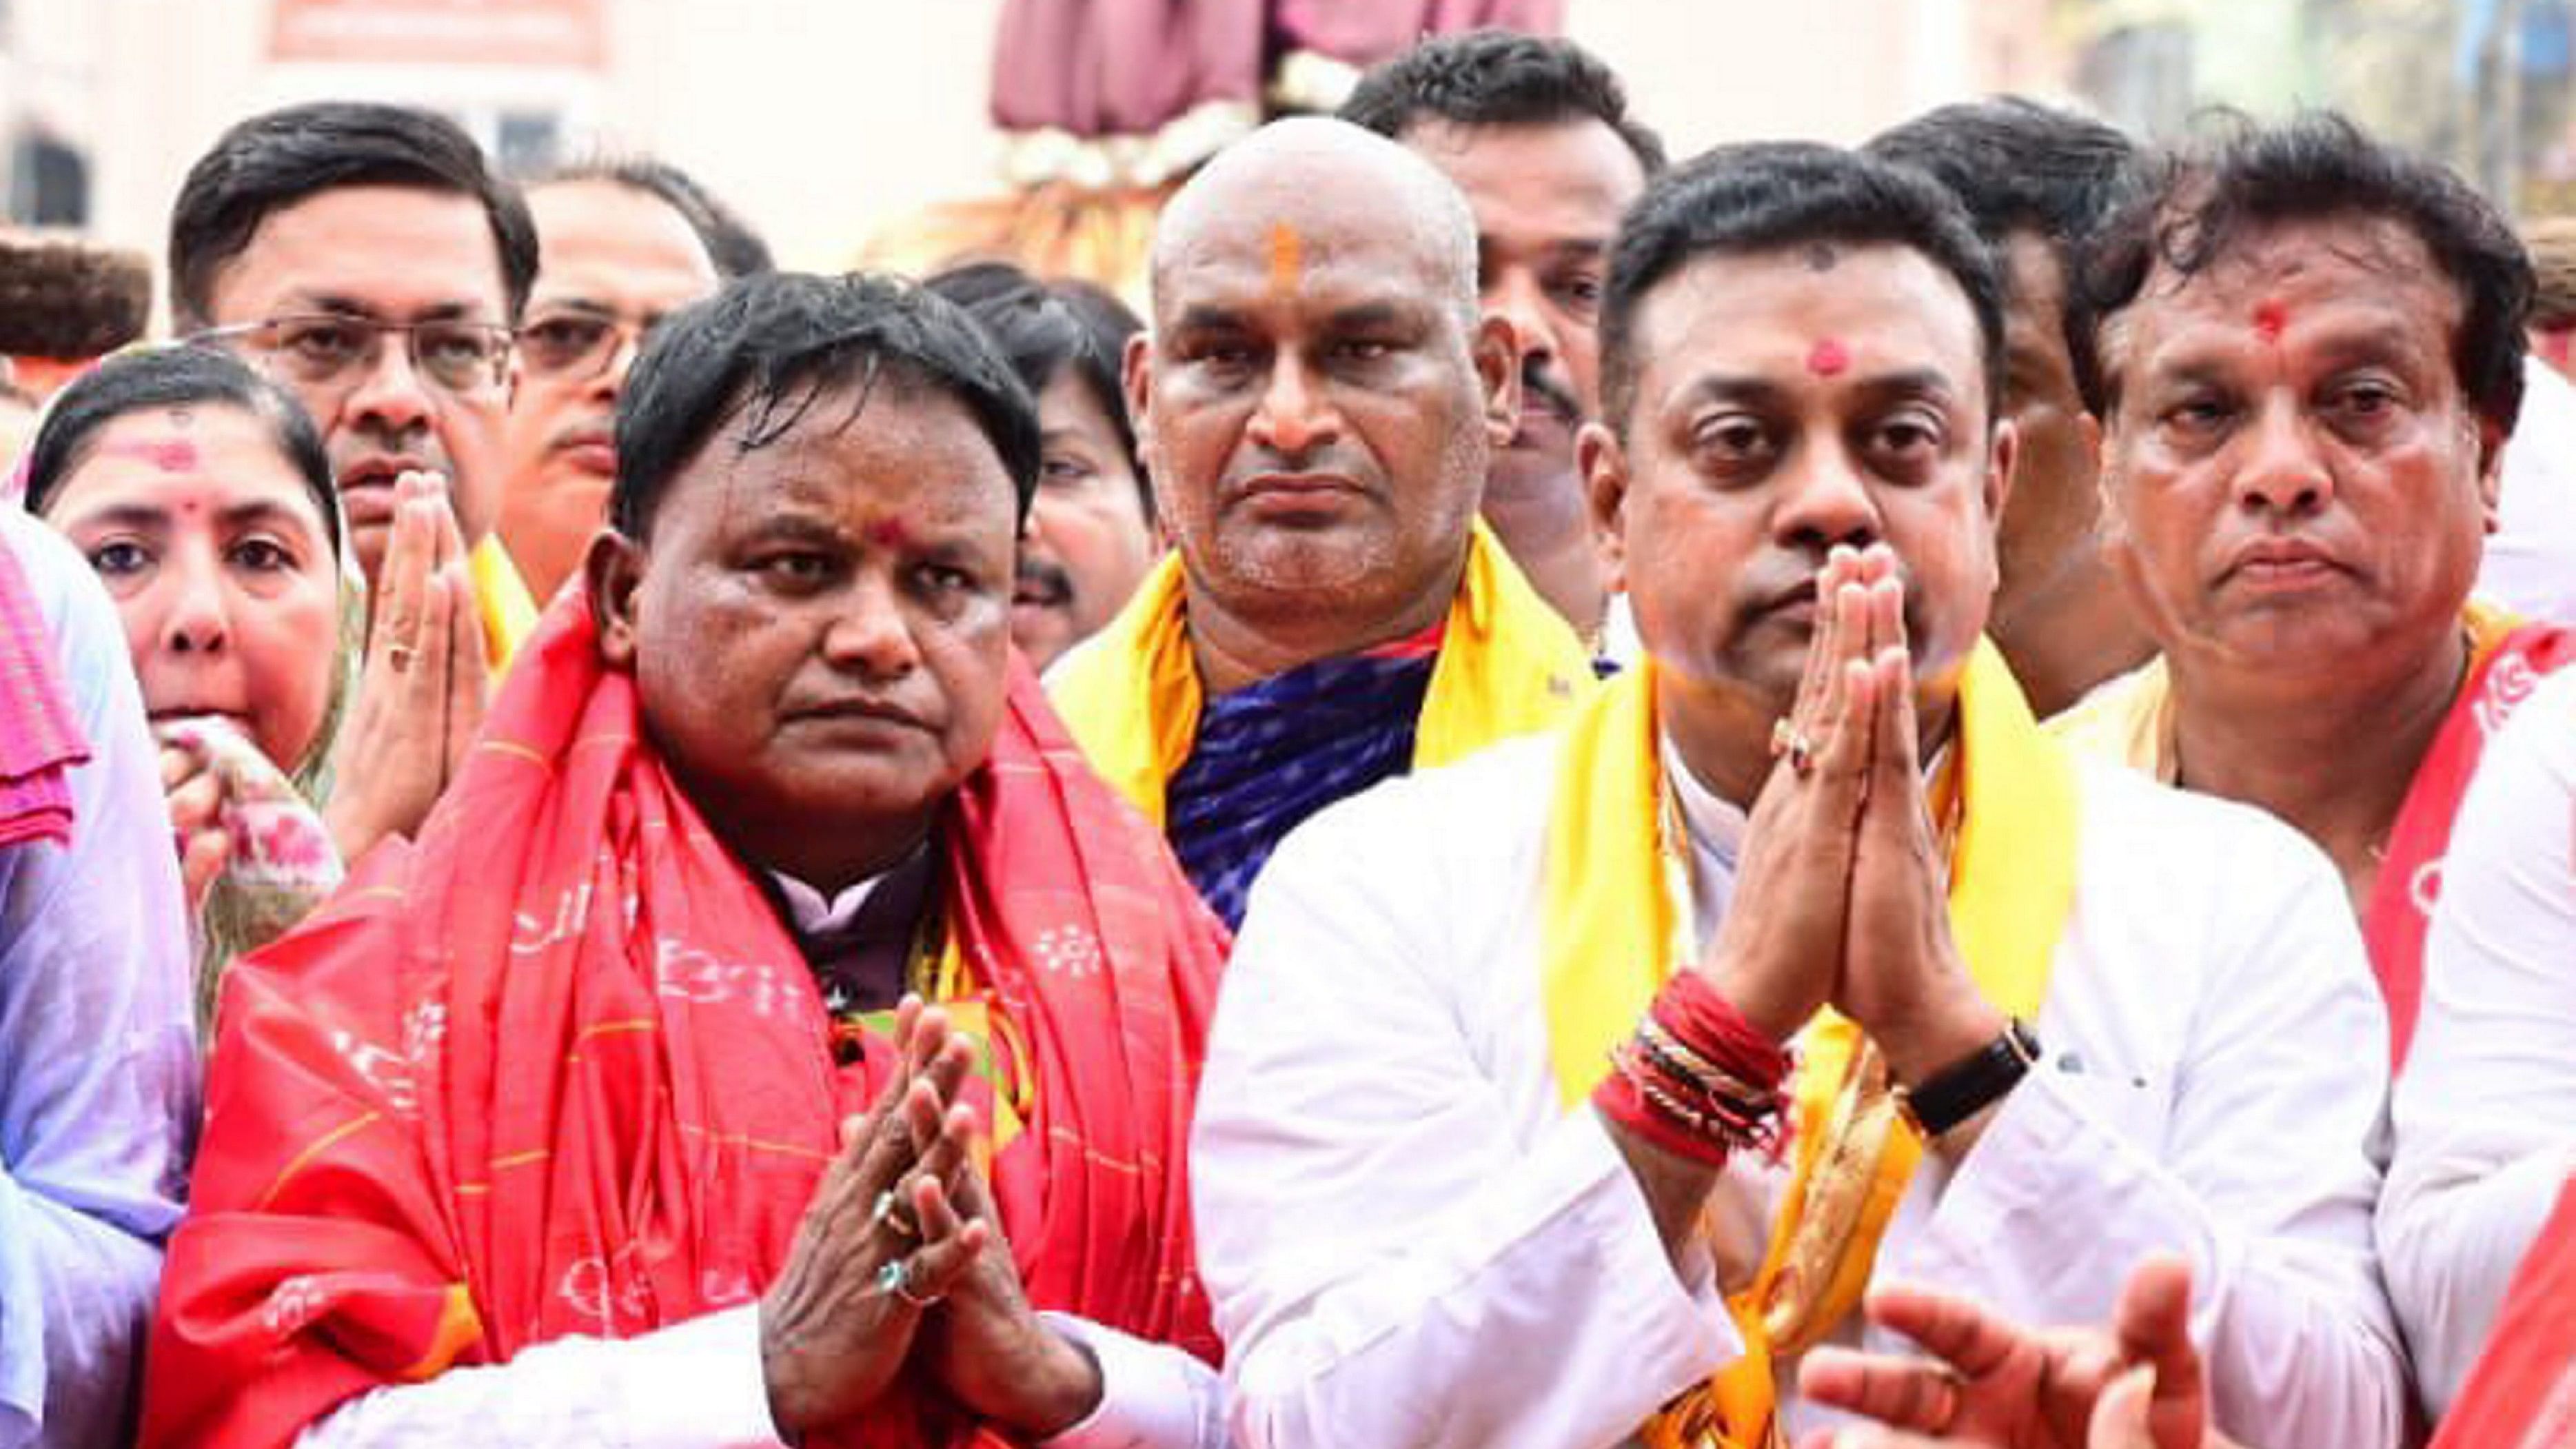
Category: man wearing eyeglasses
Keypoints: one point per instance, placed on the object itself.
(620, 246)
(366, 257)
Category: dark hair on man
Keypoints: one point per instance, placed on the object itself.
(69, 299)
(774, 345)
(1771, 196)
(2317, 166)
(2019, 166)
(1043, 328)
(174, 376)
(1498, 78)
(276, 160)
(734, 248)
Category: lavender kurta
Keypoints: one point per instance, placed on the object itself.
(98, 1071)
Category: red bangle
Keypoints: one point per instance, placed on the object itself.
(1704, 1021)
(1625, 1105)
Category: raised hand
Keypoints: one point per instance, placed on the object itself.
(988, 1347)
(1778, 952)
(194, 794)
(420, 695)
(1994, 1385)
(1903, 979)
(876, 1248)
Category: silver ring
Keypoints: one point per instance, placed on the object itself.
(889, 1213)
(896, 1278)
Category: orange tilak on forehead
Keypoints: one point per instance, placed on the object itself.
(1287, 257)
(1828, 358)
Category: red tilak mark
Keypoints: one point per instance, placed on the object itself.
(173, 455)
(888, 533)
(1828, 358)
(2269, 319)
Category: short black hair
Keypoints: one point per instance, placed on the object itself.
(1498, 78)
(2019, 166)
(2243, 178)
(770, 345)
(1046, 327)
(1768, 196)
(731, 244)
(282, 157)
(173, 376)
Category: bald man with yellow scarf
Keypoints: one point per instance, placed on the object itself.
(1568, 1096)
(1316, 405)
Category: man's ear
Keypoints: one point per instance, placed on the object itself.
(1603, 463)
(2491, 445)
(1136, 378)
(612, 574)
(2003, 457)
(1497, 350)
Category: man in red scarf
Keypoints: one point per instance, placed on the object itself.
(2306, 355)
(586, 1119)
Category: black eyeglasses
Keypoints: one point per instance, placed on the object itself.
(575, 344)
(334, 351)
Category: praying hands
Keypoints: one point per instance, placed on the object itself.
(419, 700)
(900, 1259)
(1842, 896)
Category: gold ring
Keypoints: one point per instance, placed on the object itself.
(1791, 743)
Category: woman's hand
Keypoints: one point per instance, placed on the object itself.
(194, 793)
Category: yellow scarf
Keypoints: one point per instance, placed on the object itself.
(1509, 665)
(509, 612)
(1618, 921)
(2131, 720)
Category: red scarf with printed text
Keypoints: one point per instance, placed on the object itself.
(2508, 660)
(558, 1069)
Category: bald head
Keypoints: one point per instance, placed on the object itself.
(1320, 180)
(1319, 398)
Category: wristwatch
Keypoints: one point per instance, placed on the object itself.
(1962, 1089)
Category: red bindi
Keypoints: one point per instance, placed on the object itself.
(1828, 358)
(888, 533)
(2269, 319)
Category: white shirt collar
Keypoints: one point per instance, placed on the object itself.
(812, 915)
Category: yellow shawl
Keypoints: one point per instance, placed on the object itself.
(1618, 922)
(1509, 665)
(509, 612)
(2130, 719)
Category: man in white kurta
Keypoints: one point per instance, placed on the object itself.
(1409, 1236)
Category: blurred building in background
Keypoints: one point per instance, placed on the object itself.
(871, 128)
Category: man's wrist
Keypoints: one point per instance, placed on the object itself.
(1066, 1387)
(1937, 1040)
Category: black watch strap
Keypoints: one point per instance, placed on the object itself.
(1962, 1089)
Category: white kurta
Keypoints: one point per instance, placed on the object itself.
(1410, 1240)
(2486, 1112)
